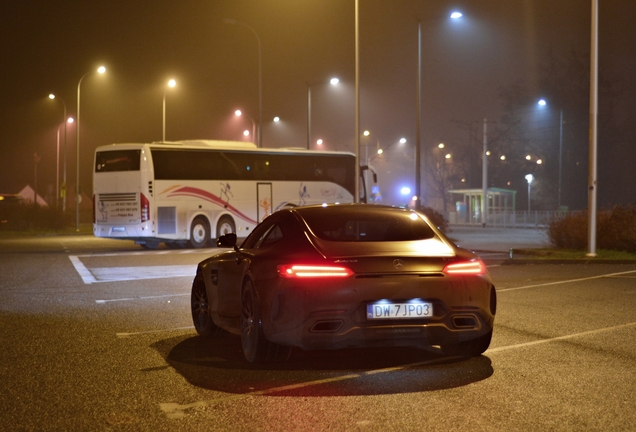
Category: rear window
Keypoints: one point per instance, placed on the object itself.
(117, 160)
(377, 225)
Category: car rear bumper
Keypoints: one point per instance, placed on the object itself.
(316, 316)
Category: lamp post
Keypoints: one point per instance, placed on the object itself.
(100, 70)
(332, 81)
(418, 161)
(239, 113)
(171, 84)
(52, 97)
(542, 103)
(592, 174)
(260, 75)
(529, 179)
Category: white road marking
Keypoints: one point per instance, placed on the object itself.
(115, 274)
(124, 335)
(140, 298)
(566, 281)
(558, 338)
(84, 273)
(175, 411)
(110, 274)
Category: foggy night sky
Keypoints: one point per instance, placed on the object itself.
(47, 46)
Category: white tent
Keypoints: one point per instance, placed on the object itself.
(27, 194)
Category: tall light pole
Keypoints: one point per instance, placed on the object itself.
(332, 81)
(529, 179)
(100, 70)
(356, 198)
(171, 84)
(59, 192)
(542, 103)
(484, 177)
(418, 161)
(592, 178)
(260, 75)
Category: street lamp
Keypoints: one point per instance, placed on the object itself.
(171, 84)
(239, 113)
(332, 81)
(260, 74)
(529, 179)
(542, 103)
(100, 70)
(418, 191)
(59, 192)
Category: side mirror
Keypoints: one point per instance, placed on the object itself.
(227, 240)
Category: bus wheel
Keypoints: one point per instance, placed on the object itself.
(225, 226)
(199, 232)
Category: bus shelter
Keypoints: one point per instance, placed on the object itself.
(467, 204)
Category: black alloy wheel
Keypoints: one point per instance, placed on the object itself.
(203, 323)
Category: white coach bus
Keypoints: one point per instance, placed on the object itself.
(190, 192)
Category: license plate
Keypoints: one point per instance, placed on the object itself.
(411, 310)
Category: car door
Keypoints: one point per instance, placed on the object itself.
(232, 269)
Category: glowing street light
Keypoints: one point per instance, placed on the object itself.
(59, 191)
(529, 179)
(260, 75)
(333, 81)
(239, 113)
(543, 103)
(100, 70)
(418, 193)
(171, 84)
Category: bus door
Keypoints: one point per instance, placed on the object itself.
(264, 200)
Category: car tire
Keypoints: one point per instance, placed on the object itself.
(224, 226)
(253, 342)
(200, 307)
(470, 348)
(199, 233)
(256, 347)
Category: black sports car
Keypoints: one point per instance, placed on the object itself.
(337, 276)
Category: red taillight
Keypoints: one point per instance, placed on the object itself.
(312, 271)
(94, 211)
(475, 267)
(145, 208)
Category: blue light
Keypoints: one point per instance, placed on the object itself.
(405, 190)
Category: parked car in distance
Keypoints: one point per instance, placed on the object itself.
(339, 276)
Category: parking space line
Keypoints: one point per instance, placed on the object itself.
(566, 281)
(118, 274)
(175, 410)
(125, 335)
(140, 298)
(558, 338)
(81, 269)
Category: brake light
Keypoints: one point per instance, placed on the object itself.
(312, 271)
(145, 208)
(475, 267)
